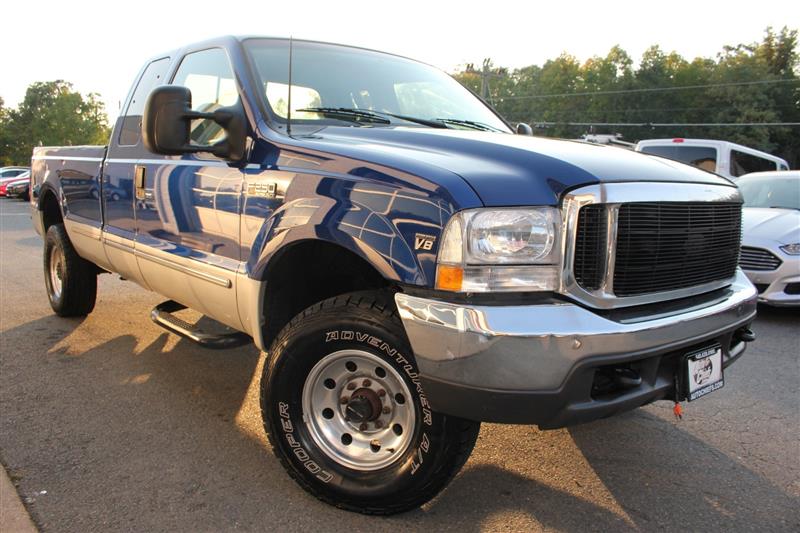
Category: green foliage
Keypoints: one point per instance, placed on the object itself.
(5, 137)
(554, 93)
(52, 114)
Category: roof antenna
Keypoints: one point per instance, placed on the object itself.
(289, 109)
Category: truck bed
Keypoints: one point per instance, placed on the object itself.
(74, 170)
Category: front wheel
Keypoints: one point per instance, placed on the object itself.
(347, 416)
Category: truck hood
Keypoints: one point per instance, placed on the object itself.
(773, 224)
(506, 169)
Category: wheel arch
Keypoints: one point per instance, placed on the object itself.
(49, 207)
(306, 272)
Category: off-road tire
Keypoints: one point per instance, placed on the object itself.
(440, 444)
(78, 276)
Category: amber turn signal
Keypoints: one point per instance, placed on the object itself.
(449, 277)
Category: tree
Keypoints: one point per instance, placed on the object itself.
(52, 114)
(5, 137)
(745, 83)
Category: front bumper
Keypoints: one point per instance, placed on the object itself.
(538, 364)
(776, 285)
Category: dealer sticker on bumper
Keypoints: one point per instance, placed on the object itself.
(704, 372)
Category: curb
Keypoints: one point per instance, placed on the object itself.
(13, 515)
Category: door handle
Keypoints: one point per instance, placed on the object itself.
(139, 180)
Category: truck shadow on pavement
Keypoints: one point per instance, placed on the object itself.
(649, 475)
(666, 478)
(167, 436)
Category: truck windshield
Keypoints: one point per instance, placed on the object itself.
(329, 82)
(779, 192)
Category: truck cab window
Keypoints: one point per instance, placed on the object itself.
(208, 74)
(153, 76)
(742, 163)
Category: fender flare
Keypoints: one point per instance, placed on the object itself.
(327, 220)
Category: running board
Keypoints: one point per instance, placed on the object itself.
(162, 316)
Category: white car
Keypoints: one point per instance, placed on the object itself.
(771, 235)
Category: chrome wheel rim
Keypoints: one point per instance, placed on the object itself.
(56, 271)
(358, 410)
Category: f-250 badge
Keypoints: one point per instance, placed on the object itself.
(423, 242)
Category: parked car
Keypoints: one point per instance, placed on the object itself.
(725, 158)
(11, 172)
(112, 192)
(19, 188)
(771, 235)
(12, 175)
(410, 266)
(24, 176)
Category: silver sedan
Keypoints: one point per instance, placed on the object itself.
(771, 235)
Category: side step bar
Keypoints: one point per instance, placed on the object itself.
(162, 316)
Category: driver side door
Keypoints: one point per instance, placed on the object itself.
(188, 212)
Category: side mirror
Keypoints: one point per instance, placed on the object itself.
(524, 129)
(167, 119)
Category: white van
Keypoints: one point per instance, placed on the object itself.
(725, 158)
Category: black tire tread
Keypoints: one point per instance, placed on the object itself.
(458, 451)
(79, 288)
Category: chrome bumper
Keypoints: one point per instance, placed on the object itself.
(536, 348)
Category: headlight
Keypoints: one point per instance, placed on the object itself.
(791, 249)
(486, 250)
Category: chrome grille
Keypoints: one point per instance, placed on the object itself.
(758, 259)
(590, 246)
(665, 246)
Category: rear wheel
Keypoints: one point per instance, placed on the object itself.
(346, 415)
(71, 281)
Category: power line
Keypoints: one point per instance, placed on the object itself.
(647, 90)
(663, 109)
(667, 124)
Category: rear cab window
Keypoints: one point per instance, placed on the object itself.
(704, 157)
(153, 76)
(743, 163)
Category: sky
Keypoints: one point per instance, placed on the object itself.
(100, 46)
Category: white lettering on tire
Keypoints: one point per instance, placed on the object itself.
(299, 452)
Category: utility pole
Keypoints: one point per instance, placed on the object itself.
(486, 72)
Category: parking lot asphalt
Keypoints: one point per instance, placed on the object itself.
(109, 423)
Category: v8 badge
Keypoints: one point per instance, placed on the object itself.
(423, 242)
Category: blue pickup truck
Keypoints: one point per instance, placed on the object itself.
(410, 263)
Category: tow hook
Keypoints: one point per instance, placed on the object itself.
(626, 378)
(745, 334)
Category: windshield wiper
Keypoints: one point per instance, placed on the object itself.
(468, 123)
(376, 116)
(354, 115)
(433, 123)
